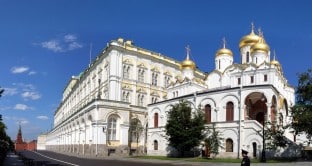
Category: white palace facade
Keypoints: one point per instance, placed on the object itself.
(119, 104)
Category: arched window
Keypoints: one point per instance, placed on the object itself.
(141, 75)
(155, 145)
(111, 128)
(166, 80)
(247, 57)
(140, 100)
(126, 96)
(126, 71)
(208, 113)
(229, 145)
(229, 111)
(219, 64)
(155, 120)
(154, 99)
(136, 130)
(154, 78)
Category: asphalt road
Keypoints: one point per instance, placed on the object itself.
(51, 158)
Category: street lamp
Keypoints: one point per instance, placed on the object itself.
(263, 158)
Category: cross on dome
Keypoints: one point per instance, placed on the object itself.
(188, 50)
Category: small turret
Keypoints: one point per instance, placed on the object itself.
(223, 58)
(246, 43)
(260, 51)
(188, 66)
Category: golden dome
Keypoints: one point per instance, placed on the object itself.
(187, 63)
(261, 46)
(224, 51)
(249, 39)
(275, 62)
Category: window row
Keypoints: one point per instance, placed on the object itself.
(229, 112)
(140, 98)
(252, 79)
(141, 74)
(207, 110)
(229, 145)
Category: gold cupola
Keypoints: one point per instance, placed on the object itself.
(276, 63)
(261, 46)
(224, 50)
(249, 39)
(187, 63)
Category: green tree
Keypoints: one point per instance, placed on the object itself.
(135, 130)
(302, 111)
(184, 130)
(213, 142)
(275, 135)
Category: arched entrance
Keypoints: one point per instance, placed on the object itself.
(256, 107)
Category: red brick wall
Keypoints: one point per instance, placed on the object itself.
(20, 146)
(32, 145)
(26, 146)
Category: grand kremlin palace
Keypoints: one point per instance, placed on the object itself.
(127, 85)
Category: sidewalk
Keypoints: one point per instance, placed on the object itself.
(12, 159)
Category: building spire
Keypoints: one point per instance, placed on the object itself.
(224, 42)
(274, 54)
(188, 50)
(252, 27)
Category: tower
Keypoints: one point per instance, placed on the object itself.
(19, 137)
(260, 51)
(245, 45)
(188, 66)
(19, 143)
(224, 58)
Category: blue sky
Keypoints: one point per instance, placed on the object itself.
(43, 43)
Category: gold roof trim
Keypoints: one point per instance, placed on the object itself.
(126, 86)
(155, 69)
(140, 89)
(128, 61)
(155, 93)
(141, 64)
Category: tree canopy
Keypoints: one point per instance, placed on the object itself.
(213, 141)
(185, 130)
(302, 111)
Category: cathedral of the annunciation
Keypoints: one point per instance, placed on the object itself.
(128, 85)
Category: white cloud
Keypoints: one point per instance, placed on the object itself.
(32, 73)
(74, 45)
(70, 38)
(22, 107)
(33, 95)
(42, 117)
(66, 43)
(52, 45)
(17, 70)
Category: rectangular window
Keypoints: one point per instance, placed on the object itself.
(238, 81)
(141, 75)
(265, 78)
(154, 79)
(251, 79)
(247, 57)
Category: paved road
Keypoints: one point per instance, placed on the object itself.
(51, 158)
